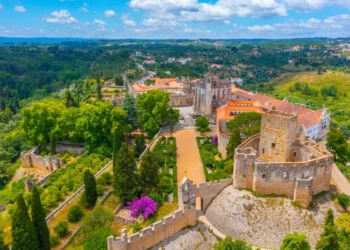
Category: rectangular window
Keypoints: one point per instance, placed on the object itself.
(273, 145)
(263, 151)
(295, 154)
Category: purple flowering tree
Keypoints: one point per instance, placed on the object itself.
(144, 206)
(214, 141)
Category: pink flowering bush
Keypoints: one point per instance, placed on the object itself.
(214, 141)
(144, 206)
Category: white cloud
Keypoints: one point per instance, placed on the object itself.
(84, 9)
(308, 5)
(129, 22)
(20, 9)
(192, 10)
(334, 26)
(221, 10)
(154, 22)
(110, 13)
(258, 28)
(227, 22)
(100, 24)
(61, 17)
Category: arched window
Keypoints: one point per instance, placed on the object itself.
(231, 113)
(214, 97)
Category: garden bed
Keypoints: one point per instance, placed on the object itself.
(214, 167)
(166, 152)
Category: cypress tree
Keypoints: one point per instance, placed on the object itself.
(235, 140)
(149, 170)
(23, 232)
(329, 237)
(3, 246)
(124, 170)
(39, 222)
(139, 145)
(90, 188)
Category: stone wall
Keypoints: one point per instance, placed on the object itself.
(155, 233)
(280, 178)
(244, 167)
(207, 191)
(50, 163)
(181, 100)
(302, 191)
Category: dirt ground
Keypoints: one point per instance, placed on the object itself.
(189, 163)
(36, 172)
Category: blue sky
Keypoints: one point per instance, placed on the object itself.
(175, 18)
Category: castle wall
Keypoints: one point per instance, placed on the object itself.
(280, 178)
(244, 167)
(302, 191)
(50, 163)
(155, 233)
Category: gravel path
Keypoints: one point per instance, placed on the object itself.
(265, 221)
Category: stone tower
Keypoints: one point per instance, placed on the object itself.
(208, 81)
(277, 134)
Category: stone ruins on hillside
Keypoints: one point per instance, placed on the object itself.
(282, 160)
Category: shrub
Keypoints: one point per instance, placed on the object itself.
(99, 218)
(97, 240)
(54, 240)
(136, 228)
(165, 184)
(100, 190)
(157, 198)
(144, 206)
(344, 200)
(75, 214)
(61, 228)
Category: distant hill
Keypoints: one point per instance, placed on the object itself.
(38, 40)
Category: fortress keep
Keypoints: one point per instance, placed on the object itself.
(282, 160)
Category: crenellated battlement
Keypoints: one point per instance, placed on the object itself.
(155, 233)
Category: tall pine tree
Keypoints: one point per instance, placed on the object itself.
(124, 170)
(235, 140)
(23, 232)
(329, 237)
(90, 189)
(149, 170)
(39, 222)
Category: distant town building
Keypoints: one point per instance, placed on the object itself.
(171, 59)
(183, 61)
(217, 66)
(149, 61)
(179, 96)
(237, 81)
(138, 54)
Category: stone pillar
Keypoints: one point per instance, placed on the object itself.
(302, 191)
(29, 184)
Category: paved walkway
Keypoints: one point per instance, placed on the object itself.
(189, 163)
(341, 182)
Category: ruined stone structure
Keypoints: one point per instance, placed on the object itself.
(185, 216)
(33, 159)
(180, 100)
(50, 163)
(282, 160)
(210, 94)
